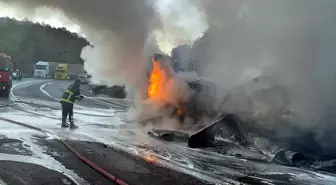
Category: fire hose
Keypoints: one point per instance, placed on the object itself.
(77, 154)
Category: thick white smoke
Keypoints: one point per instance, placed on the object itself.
(292, 41)
(123, 33)
(181, 23)
(117, 30)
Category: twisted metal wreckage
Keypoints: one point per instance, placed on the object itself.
(299, 150)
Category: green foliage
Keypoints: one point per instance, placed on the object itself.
(28, 42)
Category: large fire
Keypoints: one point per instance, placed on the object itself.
(157, 89)
(157, 80)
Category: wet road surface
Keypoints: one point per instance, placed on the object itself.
(121, 148)
(36, 102)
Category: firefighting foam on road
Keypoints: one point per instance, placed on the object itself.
(257, 101)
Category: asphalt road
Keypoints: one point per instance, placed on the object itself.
(29, 157)
(123, 149)
(51, 90)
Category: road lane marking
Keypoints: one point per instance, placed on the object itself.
(14, 98)
(26, 106)
(42, 89)
(14, 86)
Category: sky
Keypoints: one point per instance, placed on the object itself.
(57, 20)
(188, 24)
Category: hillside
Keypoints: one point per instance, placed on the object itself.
(28, 42)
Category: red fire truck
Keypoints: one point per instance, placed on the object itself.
(5, 74)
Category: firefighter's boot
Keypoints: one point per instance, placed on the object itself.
(72, 125)
(64, 125)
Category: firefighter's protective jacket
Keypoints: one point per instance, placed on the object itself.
(71, 94)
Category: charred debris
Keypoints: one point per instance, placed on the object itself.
(300, 150)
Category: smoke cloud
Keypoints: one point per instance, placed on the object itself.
(290, 41)
(123, 33)
(119, 31)
(181, 23)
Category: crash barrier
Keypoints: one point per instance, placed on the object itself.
(77, 154)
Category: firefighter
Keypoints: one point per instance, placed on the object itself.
(68, 99)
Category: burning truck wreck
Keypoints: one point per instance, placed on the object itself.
(179, 96)
(186, 110)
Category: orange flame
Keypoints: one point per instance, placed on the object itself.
(180, 112)
(156, 80)
(150, 158)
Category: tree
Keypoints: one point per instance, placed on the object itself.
(28, 42)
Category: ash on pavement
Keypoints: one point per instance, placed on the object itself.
(25, 173)
(20, 164)
(13, 146)
(131, 169)
(30, 174)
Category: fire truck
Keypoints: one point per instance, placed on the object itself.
(6, 66)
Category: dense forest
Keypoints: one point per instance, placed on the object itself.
(28, 42)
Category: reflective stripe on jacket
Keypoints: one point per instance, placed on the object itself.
(71, 94)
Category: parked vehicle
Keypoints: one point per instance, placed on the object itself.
(5, 74)
(44, 69)
(69, 71)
